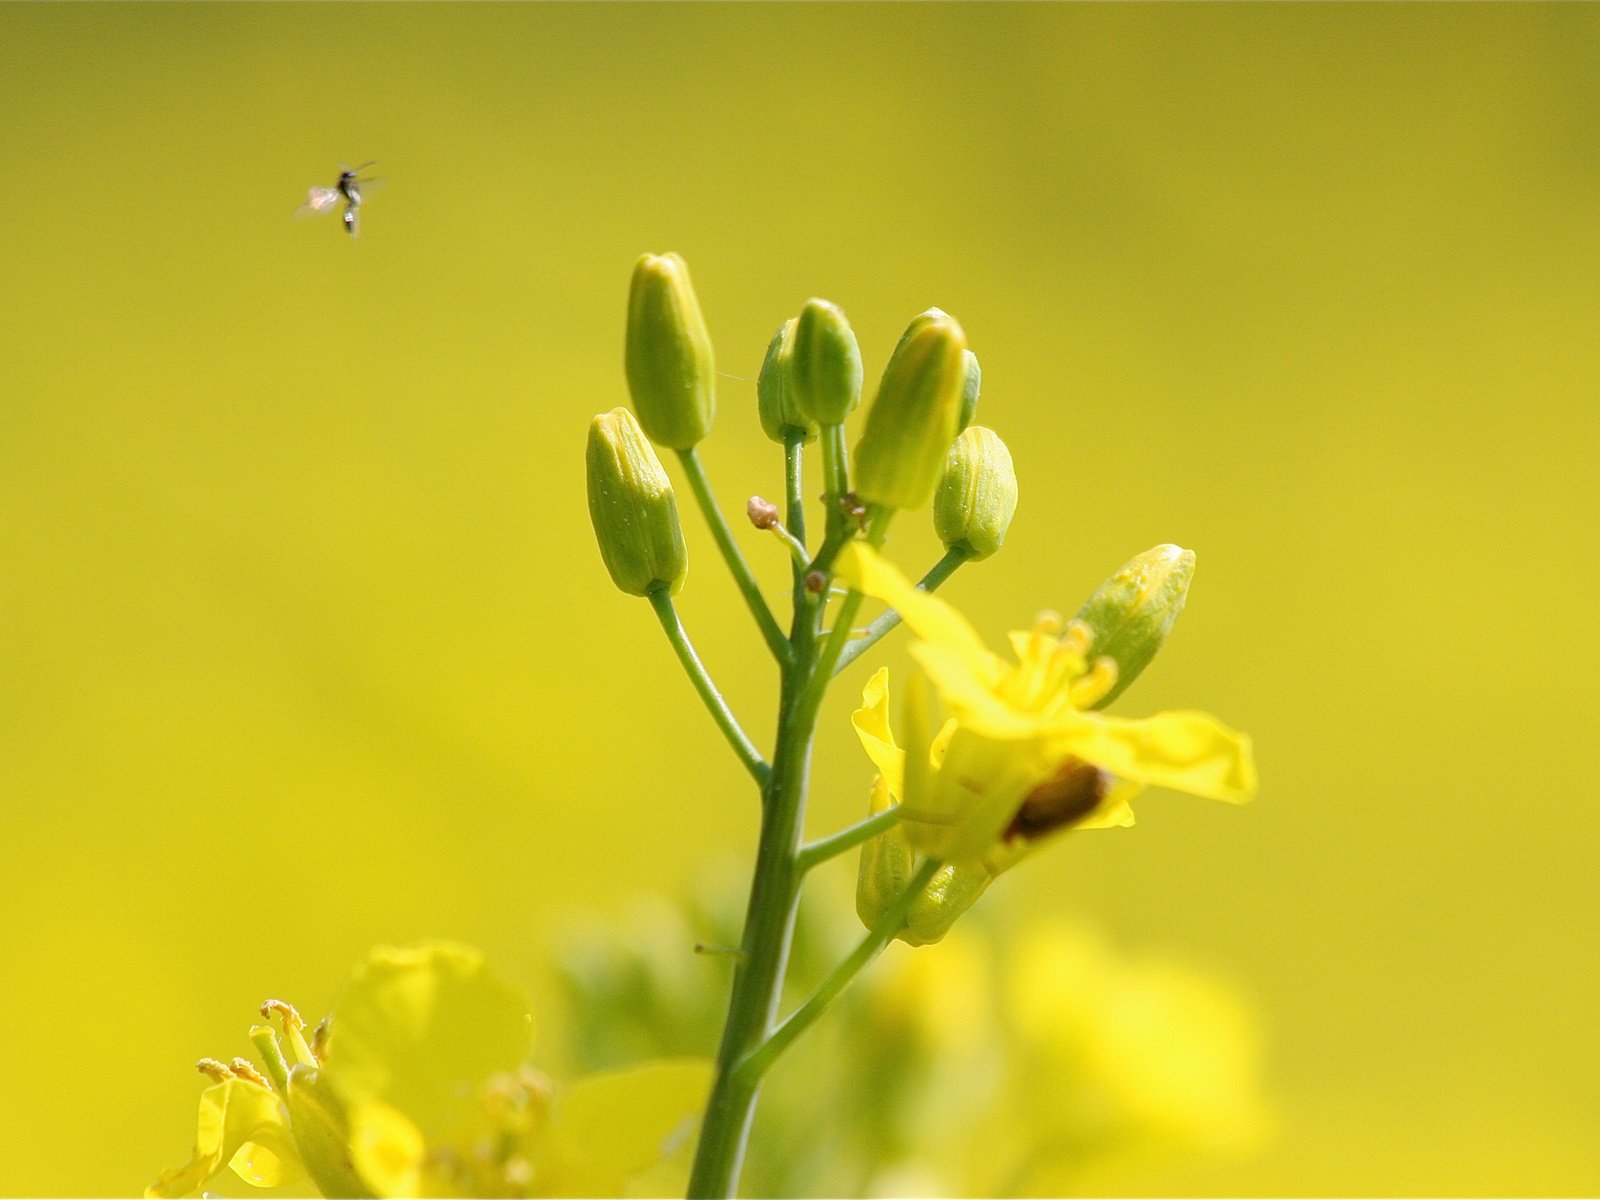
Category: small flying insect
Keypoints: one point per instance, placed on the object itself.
(346, 191)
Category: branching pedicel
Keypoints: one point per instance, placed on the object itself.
(998, 755)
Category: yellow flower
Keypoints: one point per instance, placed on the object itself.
(420, 1087)
(1021, 754)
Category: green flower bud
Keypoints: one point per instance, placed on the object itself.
(780, 415)
(952, 891)
(1132, 612)
(826, 364)
(913, 419)
(632, 507)
(671, 370)
(971, 385)
(887, 865)
(977, 495)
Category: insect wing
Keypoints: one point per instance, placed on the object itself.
(319, 200)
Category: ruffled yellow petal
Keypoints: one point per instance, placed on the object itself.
(618, 1124)
(871, 723)
(1187, 751)
(233, 1113)
(931, 618)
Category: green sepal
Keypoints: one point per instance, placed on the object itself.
(322, 1135)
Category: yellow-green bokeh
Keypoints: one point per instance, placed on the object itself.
(305, 643)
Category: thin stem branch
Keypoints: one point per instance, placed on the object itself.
(743, 748)
(820, 851)
(937, 574)
(845, 615)
(756, 1064)
(740, 570)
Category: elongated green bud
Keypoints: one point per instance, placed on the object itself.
(914, 417)
(971, 385)
(827, 364)
(781, 418)
(632, 507)
(887, 865)
(977, 496)
(952, 891)
(671, 369)
(1131, 613)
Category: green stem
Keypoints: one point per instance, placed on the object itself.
(661, 601)
(769, 921)
(820, 851)
(760, 1060)
(794, 484)
(937, 574)
(740, 570)
(835, 463)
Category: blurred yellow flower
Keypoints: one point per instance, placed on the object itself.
(421, 1088)
(1159, 1055)
(1021, 754)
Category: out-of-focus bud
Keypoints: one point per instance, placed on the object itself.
(1131, 613)
(781, 417)
(826, 369)
(671, 370)
(914, 417)
(971, 385)
(632, 507)
(977, 496)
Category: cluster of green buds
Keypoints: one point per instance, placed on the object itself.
(917, 445)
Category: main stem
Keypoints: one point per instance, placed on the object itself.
(768, 926)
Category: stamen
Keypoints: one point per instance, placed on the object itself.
(1048, 622)
(1078, 637)
(288, 1013)
(293, 1028)
(217, 1070)
(319, 1038)
(1090, 689)
(243, 1068)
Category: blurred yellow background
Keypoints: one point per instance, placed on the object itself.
(305, 644)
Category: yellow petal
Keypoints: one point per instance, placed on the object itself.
(420, 1029)
(387, 1149)
(929, 617)
(1187, 751)
(618, 1124)
(871, 723)
(232, 1113)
